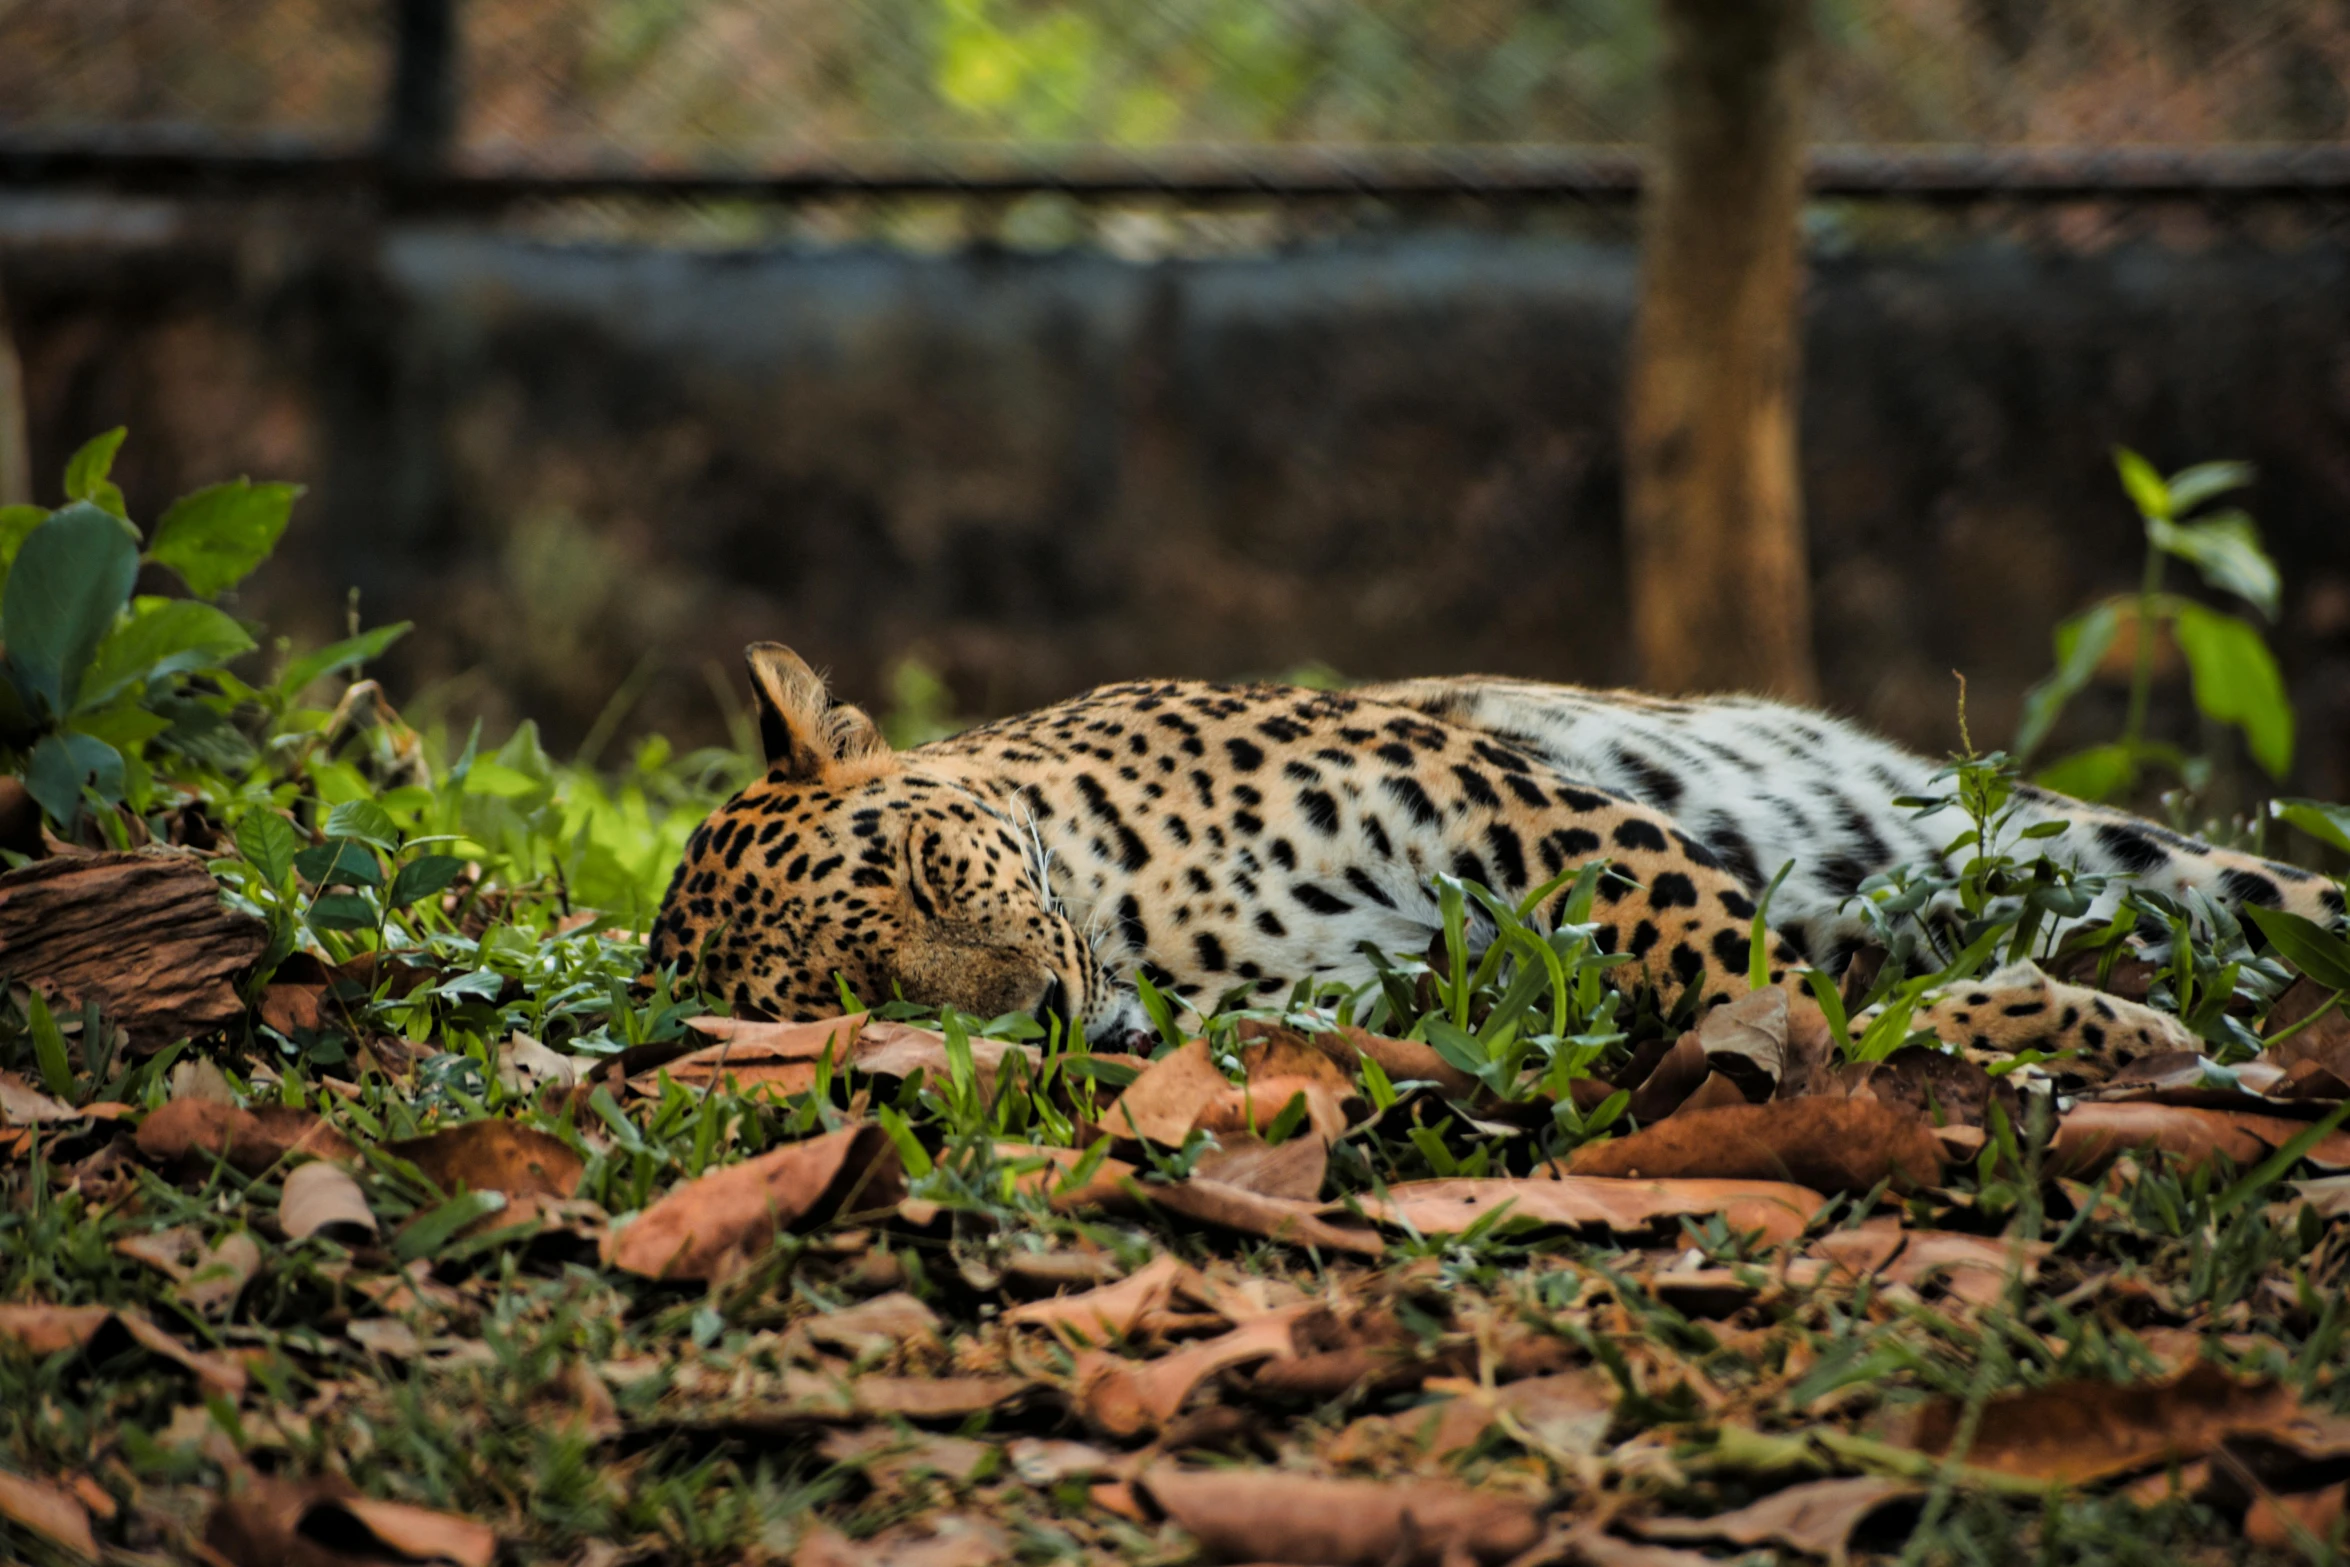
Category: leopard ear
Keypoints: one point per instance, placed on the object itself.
(791, 703)
(853, 735)
(792, 709)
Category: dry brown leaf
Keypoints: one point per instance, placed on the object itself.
(526, 1065)
(1817, 1518)
(1746, 1041)
(1105, 1188)
(899, 1050)
(1127, 1398)
(1567, 1412)
(1045, 1461)
(1164, 1102)
(2071, 1433)
(700, 1228)
(208, 1279)
(1779, 1210)
(1293, 1170)
(250, 1140)
(1263, 1515)
(811, 1396)
(1284, 1063)
(2330, 1195)
(1812, 1055)
(323, 1198)
(2321, 1038)
(495, 1156)
(283, 1523)
(1248, 1109)
(876, 1327)
(1863, 1251)
(419, 1533)
(49, 1512)
(779, 1055)
(1251, 1213)
(288, 1007)
(1403, 1060)
(218, 1278)
(1666, 1080)
(950, 1540)
(387, 1336)
(45, 1330)
(1099, 1316)
(2091, 1136)
(21, 1104)
(1828, 1145)
(2273, 1519)
(783, 1057)
(1588, 1545)
(1943, 1088)
(1973, 1268)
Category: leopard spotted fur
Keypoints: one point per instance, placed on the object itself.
(1223, 837)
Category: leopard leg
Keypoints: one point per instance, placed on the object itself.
(2019, 1008)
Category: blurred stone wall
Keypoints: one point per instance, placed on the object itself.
(1394, 454)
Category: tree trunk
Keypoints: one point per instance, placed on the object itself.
(1720, 589)
(16, 465)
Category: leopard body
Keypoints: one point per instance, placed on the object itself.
(1220, 838)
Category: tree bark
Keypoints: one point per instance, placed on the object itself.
(1714, 521)
(144, 935)
(16, 463)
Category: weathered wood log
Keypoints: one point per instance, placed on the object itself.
(144, 935)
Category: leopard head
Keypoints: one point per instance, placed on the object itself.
(849, 863)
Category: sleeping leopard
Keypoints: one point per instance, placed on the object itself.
(1222, 838)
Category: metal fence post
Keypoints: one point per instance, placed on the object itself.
(420, 116)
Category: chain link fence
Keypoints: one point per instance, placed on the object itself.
(842, 336)
(741, 83)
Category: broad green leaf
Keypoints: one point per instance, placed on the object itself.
(61, 764)
(2326, 823)
(267, 840)
(215, 537)
(87, 469)
(2080, 643)
(2304, 943)
(2099, 773)
(342, 911)
(2226, 550)
(2236, 682)
(366, 821)
(126, 726)
(2191, 487)
(525, 755)
(2146, 490)
(340, 860)
(422, 877)
(496, 778)
(161, 637)
(336, 657)
(70, 579)
(200, 731)
(16, 525)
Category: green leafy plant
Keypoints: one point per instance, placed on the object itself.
(97, 680)
(2234, 676)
